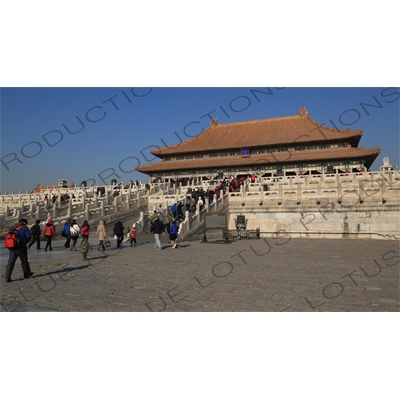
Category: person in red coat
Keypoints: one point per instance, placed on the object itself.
(85, 230)
(49, 232)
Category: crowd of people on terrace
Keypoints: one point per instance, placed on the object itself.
(227, 184)
(197, 197)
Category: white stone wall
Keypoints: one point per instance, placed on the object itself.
(327, 220)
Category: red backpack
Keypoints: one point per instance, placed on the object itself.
(12, 238)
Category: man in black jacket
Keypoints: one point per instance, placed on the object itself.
(35, 235)
(158, 228)
(119, 232)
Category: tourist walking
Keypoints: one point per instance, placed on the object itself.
(167, 221)
(49, 232)
(67, 233)
(101, 234)
(153, 216)
(20, 251)
(35, 235)
(180, 211)
(173, 234)
(132, 234)
(85, 247)
(158, 228)
(119, 232)
(85, 228)
(74, 231)
(200, 203)
(174, 210)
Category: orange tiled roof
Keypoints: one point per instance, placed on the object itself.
(341, 153)
(266, 132)
(39, 187)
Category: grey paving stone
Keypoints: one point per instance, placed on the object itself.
(255, 275)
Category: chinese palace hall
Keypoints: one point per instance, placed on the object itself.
(292, 145)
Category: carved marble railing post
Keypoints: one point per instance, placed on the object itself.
(299, 191)
(187, 219)
(128, 199)
(69, 207)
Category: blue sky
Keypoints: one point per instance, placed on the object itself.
(128, 122)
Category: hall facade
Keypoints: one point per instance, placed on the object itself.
(282, 146)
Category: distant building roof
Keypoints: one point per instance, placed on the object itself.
(39, 187)
(265, 132)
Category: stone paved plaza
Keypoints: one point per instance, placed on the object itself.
(279, 273)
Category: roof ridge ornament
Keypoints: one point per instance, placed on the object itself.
(303, 111)
(214, 122)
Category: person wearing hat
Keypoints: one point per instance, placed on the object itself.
(21, 251)
(49, 232)
(132, 234)
(158, 228)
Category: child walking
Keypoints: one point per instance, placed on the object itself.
(132, 235)
(85, 247)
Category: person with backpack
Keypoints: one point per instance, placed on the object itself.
(49, 232)
(85, 228)
(16, 241)
(35, 235)
(173, 234)
(67, 233)
(74, 230)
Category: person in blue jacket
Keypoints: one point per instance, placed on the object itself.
(20, 251)
(173, 234)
